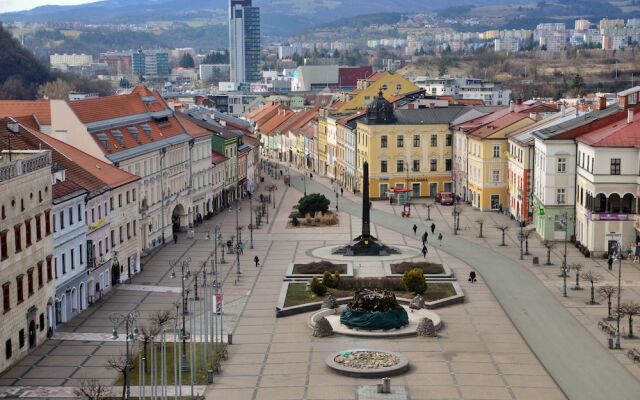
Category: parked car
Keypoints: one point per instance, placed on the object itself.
(445, 198)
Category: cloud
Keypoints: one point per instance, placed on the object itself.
(19, 5)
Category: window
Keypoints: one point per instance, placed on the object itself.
(6, 298)
(559, 223)
(447, 164)
(120, 235)
(399, 166)
(383, 189)
(416, 140)
(93, 215)
(70, 215)
(128, 197)
(40, 275)
(120, 200)
(434, 140)
(615, 166)
(416, 165)
(449, 140)
(20, 289)
(30, 281)
(400, 141)
(495, 175)
(7, 349)
(38, 229)
(81, 255)
(113, 236)
(100, 248)
(47, 222)
(496, 151)
(560, 195)
(41, 322)
(18, 238)
(61, 219)
(4, 214)
(111, 203)
(79, 212)
(49, 269)
(27, 226)
(434, 165)
(21, 338)
(133, 194)
(128, 230)
(135, 230)
(73, 259)
(562, 164)
(64, 263)
(4, 250)
(99, 211)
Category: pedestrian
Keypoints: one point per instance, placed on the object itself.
(390, 200)
(424, 251)
(241, 247)
(415, 229)
(280, 173)
(472, 276)
(256, 260)
(433, 227)
(310, 175)
(500, 208)
(342, 192)
(440, 238)
(425, 237)
(175, 238)
(610, 263)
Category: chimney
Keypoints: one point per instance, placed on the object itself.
(563, 109)
(518, 101)
(532, 115)
(602, 103)
(630, 115)
(512, 106)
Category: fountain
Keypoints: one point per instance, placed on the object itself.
(373, 309)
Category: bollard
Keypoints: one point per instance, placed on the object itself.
(536, 261)
(230, 338)
(209, 376)
(379, 388)
(386, 385)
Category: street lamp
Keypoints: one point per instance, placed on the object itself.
(337, 197)
(456, 216)
(304, 182)
(564, 269)
(619, 257)
(129, 320)
(185, 274)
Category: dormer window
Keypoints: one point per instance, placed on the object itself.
(104, 140)
(146, 129)
(134, 132)
(118, 135)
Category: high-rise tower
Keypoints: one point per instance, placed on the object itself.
(244, 41)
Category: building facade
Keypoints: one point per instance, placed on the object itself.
(244, 41)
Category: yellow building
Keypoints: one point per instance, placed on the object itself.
(322, 142)
(391, 85)
(406, 148)
(487, 162)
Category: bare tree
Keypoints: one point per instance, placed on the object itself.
(92, 389)
(592, 277)
(607, 291)
(480, 221)
(123, 365)
(630, 309)
(503, 228)
(549, 245)
(161, 317)
(577, 267)
(147, 333)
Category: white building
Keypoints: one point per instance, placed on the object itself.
(465, 88)
(289, 51)
(64, 61)
(209, 71)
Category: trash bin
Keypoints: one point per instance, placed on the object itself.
(262, 179)
(536, 261)
(611, 343)
(230, 338)
(209, 376)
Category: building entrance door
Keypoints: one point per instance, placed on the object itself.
(32, 334)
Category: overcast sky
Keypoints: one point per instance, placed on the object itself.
(18, 5)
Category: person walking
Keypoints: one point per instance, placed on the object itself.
(424, 251)
(342, 192)
(433, 227)
(241, 247)
(256, 260)
(425, 237)
(610, 263)
(472, 276)
(175, 238)
(415, 229)
(440, 238)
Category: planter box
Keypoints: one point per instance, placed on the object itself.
(447, 276)
(290, 275)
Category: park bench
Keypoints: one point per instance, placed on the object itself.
(607, 327)
(634, 354)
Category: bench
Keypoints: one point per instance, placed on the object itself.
(634, 354)
(607, 327)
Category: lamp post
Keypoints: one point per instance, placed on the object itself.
(304, 182)
(521, 238)
(337, 197)
(456, 216)
(185, 295)
(251, 188)
(619, 257)
(129, 319)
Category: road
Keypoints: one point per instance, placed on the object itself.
(580, 365)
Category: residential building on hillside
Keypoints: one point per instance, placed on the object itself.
(150, 63)
(64, 61)
(26, 248)
(244, 41)
(118, 63)
(391, 84)
(491, 94)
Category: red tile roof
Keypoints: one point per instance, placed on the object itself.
(296, 121)
(497, 125)
(193, 129)
(39, 109)
(273, 123)
(64, 188)
(350, 117)
(618, 134)
(217, 158)
(103, 108)
(128, 140)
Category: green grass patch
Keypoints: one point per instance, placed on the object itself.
(200, 376)
(297, 293)
(428, 268)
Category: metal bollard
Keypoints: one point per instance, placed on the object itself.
(386, 385)
(230, 338)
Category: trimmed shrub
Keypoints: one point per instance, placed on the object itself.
(336, 279)
(327, 279)
(313, 203)
(413, 281)
(295, 222)
(317, 288)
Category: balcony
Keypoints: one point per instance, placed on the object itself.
(23, 162)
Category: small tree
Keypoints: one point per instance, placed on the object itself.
(577, 267)
(593, 277)
(549, 245)
(607, 291)
(317, 287)
(147, 333)
(92, 389)
(413, 281)
(630, 309)
(329, 280)
(480, 221)
(313, 203)
(123, 366)
(503, 228)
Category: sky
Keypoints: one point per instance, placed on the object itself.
(19, 5)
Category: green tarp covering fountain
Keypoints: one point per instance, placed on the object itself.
(372, 309)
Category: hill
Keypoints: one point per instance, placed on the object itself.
(20, 71)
